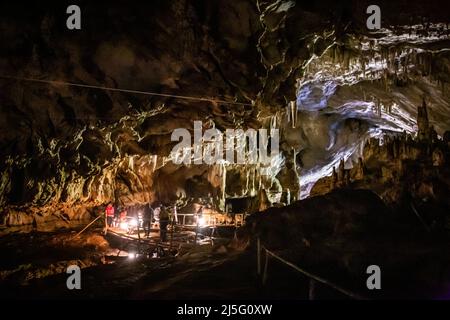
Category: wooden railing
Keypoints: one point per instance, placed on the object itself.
(313, 279)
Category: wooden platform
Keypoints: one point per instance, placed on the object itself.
(181, 236)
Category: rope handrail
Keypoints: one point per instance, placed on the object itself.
(87, 226)
(314, 277)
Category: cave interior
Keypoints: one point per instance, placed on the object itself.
(303, 133)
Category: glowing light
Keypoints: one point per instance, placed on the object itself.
(132, 255)
(201, 221)
(123, 225)
(133, 223)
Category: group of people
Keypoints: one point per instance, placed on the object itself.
(145, 212)
(115, 217)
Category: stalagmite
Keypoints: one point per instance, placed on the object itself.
(360, 169)
(334, 179)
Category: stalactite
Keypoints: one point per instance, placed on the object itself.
(247, 181)
(224, 184)
(259, 178)
(346, 60)
(274, 121)
(293, 110)
(296, 173)
(131, 163)
(430, 64)
(288, 114)
(155, 161)
(363, 65)
(333, 54)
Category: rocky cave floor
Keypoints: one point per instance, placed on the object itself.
(336, 237)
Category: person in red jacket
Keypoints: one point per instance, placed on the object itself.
(109, 211)
(123, 215)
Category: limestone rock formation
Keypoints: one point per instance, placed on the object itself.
(401, 169)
